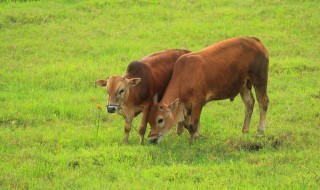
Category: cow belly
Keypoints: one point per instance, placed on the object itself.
(226, 91)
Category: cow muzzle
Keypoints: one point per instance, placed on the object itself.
(112, 108)
(155, 138)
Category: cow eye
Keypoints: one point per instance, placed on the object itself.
(121, 91)
(161, 108)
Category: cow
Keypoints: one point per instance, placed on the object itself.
(131, 94)
(220, 71)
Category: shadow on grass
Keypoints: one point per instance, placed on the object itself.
(178, 150)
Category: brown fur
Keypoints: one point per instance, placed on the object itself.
(156, 69)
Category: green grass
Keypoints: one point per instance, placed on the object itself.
(54, 136)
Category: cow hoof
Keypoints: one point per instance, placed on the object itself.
(196, 136)
(141, 140)
(259, 136)
(245, 130)
(179, 132)
(261, 132)
(192, 138)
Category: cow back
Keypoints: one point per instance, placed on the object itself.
(155, 71)
(161, 66)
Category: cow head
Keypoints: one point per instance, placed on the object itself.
(161, 119)
(117, 88)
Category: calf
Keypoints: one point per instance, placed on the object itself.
(220, 71)
(132, 93)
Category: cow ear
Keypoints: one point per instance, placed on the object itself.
(134, 81)
(101, 82)
(156, 99)
(174, 105)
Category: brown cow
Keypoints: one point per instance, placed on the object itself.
(220, 71)
(132, 93)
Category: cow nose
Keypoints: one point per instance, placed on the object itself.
(154, 141)
(111, 109)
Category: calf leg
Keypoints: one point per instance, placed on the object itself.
(248, 100)
(143, 125)
(127, 129)
(262, 97)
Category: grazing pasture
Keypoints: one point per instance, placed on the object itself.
(54, 129)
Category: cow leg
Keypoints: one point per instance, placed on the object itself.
(194, 122)
(127, 129)
(248, 100)
(184, 124)
(143, 125)
(180, 128)
(197, 134)
(262, 97)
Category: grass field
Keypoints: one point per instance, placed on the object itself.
(54, 136)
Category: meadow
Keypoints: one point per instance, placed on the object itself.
(56, 134)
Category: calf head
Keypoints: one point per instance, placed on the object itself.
(161, 119)
(117, 88)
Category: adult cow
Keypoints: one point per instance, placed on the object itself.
(220, 71)
(132, 93)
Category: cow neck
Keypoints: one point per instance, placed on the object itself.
(170, 95)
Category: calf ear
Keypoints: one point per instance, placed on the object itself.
(174, 105)
(134, 81)
(156, 99)
(101, 82)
